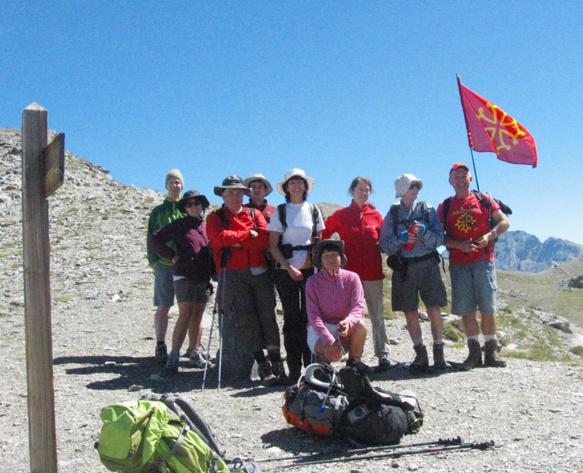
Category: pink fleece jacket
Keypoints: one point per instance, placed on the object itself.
(331, 299)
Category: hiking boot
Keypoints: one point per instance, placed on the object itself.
(438, 358)
(173, 361)
(384, 363)
(197, 359)
(278, 370)
(491, 356)
(266, 374)
(474, 359)
(161, 353)
(421, 361)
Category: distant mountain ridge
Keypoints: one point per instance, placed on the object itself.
(521, 251)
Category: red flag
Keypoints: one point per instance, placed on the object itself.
(492, 129)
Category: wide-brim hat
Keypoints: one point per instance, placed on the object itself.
(232, 182)
(404, 182)
(193, 195)
(295, 172)
(259, 177)
(318, 247)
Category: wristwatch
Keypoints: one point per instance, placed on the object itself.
(494, 232)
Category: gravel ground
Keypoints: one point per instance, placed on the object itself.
(102, 322)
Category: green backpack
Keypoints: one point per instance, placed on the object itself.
(150, 435)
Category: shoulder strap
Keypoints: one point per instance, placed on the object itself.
(395, 215)
(254, 217)
(281, 215)
(487, 205)
(315, 220)
(222, 217)
(446, 205)
(425, 210)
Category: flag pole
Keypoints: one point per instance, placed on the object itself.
(475, 171)
(470, 141)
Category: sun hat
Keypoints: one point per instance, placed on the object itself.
(404, 182)
(232, 182)
(459, 165)
(296, 172)
(259, 177)
(318, 247)
(190, 195)
(173, 174)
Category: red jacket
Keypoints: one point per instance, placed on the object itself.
(252, 251)
(360, 229)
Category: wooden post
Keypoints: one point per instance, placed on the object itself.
(37, 293)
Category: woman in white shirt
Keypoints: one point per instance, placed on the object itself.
(293, 230)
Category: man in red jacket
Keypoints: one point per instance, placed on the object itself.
(239, 239)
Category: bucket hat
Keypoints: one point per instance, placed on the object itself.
(318, 247)
(190, 195)
(404, 183)
(232, 182)
(296, 172)
(259, 177)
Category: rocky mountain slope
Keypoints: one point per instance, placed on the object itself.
(520, 251)
(102, 320)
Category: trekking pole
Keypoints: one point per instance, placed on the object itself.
(461, 446)
(353, 451)
(222, 320)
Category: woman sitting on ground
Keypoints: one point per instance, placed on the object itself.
(335, 305)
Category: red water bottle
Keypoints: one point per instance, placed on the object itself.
(409, 246)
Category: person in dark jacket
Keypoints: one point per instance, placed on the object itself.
(192, 270)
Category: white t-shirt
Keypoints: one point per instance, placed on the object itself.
(299, 229)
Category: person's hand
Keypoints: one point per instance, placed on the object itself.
(253, 234)
(483, 241)
(468, 246)
(333, 351)
(295, 273)
(343, 328)
(175, 259)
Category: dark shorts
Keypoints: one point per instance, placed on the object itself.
(473, 285)
(163, 286)
(423, 279)
(190, 291)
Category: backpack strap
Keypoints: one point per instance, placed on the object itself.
(222, 217)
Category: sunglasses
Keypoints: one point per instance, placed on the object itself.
(192, 203)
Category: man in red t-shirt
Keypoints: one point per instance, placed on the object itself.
(470, 237)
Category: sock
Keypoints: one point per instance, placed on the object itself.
(274, 355)
(259, 357)
(160, 342)
(418, 342)
(487, 338)
(438, 341)
(474, 337)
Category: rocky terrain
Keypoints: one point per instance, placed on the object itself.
(102, 320)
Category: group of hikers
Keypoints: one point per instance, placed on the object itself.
(326, 272)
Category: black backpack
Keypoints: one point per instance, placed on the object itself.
(375, 416)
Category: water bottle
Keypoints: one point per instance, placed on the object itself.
(409, 246)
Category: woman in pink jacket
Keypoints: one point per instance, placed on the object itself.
(359, 226)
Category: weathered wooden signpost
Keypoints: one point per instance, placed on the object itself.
(43, 170)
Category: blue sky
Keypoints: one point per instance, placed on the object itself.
(339, 89)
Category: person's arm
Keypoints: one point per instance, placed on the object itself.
(357, 303)
(433, 236)
(314, 314)
(160, 239)
(387, 239)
